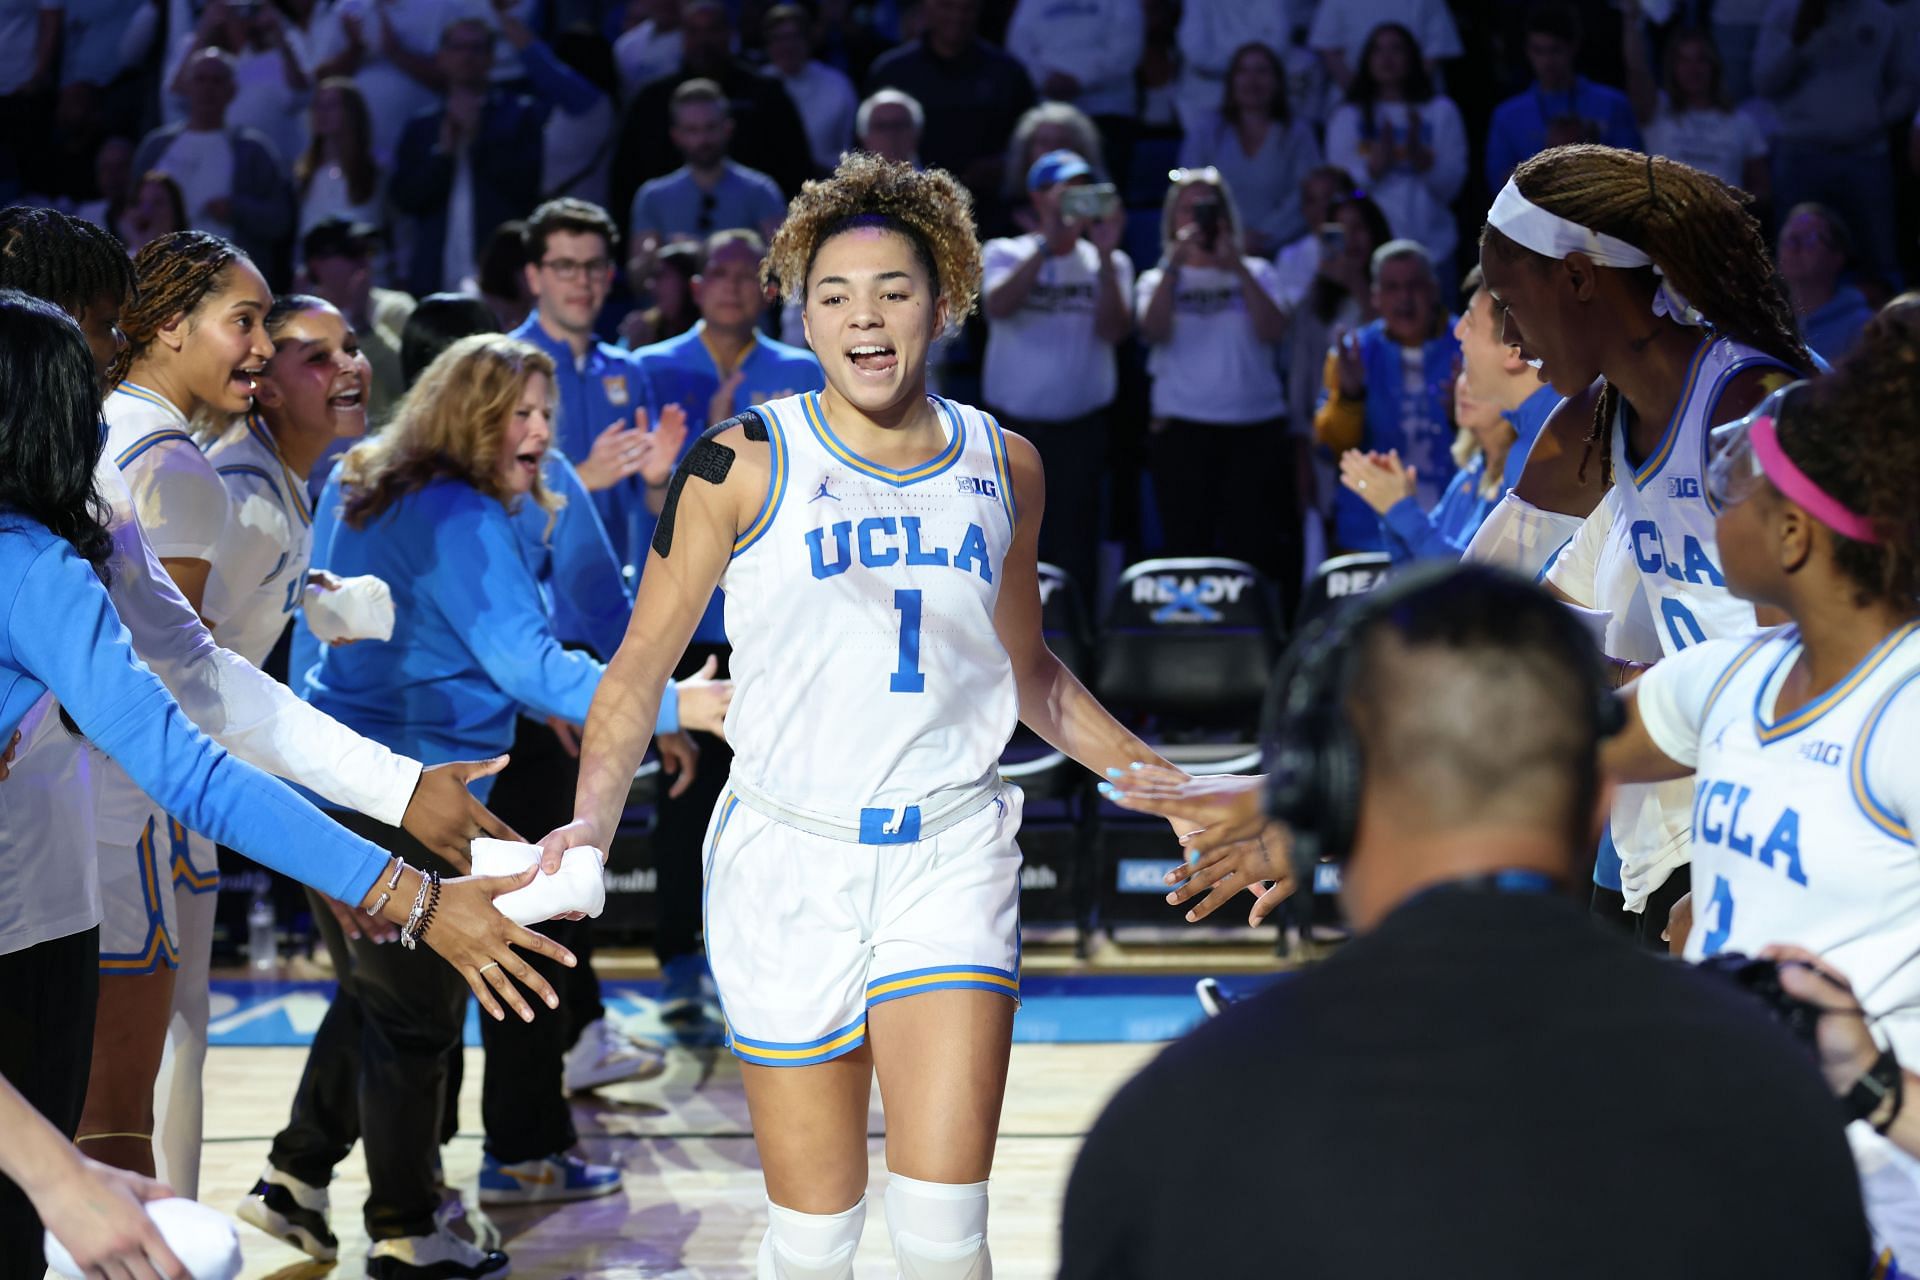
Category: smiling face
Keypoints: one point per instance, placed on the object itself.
(317, 381)
(1489, 366)
(1536, 312)
(220, 348)
(871, 315)
(571, 280)
(529, 429)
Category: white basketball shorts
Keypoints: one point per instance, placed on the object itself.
(805, 933)
(138, 924)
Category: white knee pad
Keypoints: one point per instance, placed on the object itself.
(810, 1246)
(939, 1229)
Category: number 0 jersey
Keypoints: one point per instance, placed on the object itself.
(860, 604)
(1803, 823)
(1669, 516)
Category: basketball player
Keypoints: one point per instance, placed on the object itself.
(310, 393)
(1800, 739)
(861, 872)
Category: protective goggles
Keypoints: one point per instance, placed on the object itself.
(1744, 453)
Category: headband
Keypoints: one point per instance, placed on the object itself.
(1552, 236)
(1794, 483)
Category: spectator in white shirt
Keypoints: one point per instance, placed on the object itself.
(1226, 475)
(1259, 147)
(1341, 29)
(1058, 302)
(1210, 35)
(1299, 263)
(889, 124)
(271, 78)
(1406, 139)
(1049, 127)
(1688, 116)
(337, 176)
(822, 95)
(1081, 51)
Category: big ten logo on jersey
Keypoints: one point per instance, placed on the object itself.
(1683, 486)
(1720, 817)
(1189, 597)
(1826, 753)
(879, 541)
(979, 485)
(1651, 552)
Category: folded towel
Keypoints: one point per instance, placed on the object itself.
(202, 1238)
(358, 609)
(579, 885)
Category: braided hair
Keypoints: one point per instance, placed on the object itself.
(1856, 434)
(65, 260)
(1696, 229)
(175, 274)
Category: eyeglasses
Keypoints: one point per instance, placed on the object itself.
(568, 269)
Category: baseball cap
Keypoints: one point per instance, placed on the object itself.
(338, 238)
(1056, 167)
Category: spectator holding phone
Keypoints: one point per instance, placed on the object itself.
(1299, 262)
(1219, 451)
(1338, 300)
(1057, 304)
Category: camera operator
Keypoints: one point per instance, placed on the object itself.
(1419, 1104)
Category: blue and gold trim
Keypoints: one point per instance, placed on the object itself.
(946, 977)
(157, 950)
(135, 391)
(772, 1053)
(1876, 812)
(817, 420)
(1002, 470)
(151, 440)
(185, 874)
(1671, 435)
(776, 483)
(1772, 733)
(1726, 677)
(296, 492)
(248, 469)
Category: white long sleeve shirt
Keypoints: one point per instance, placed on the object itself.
(1097, 42)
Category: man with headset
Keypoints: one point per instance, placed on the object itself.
(1419, 1103)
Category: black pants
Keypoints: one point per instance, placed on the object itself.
(1644, 927)
(410, 1007)
(47, 996)
(1229, 491)
(1074, 453)
(683, 829)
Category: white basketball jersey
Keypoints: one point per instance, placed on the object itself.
(1668, 516)
(860, 601)
(1794, 841)
(261, 564)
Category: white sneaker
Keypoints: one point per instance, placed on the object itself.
(288, 1209)
(603, 1055)
(440, 1256)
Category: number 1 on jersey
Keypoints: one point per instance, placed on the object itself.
(907, 677)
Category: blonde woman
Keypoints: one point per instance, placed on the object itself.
(429, 507)
(1383, 483)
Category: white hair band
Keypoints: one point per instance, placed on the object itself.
(1552, 236)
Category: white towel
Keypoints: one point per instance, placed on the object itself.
(202, 1238)
(358, 609)
(579, 885)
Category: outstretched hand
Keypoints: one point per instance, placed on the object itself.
(1207, 812)
(470, 934)
(444, 816)
(1259, 865)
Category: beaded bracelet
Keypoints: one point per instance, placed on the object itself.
(433, 905)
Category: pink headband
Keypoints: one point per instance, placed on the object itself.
(1793, 482)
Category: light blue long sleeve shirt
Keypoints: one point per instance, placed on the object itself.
(1410, 534)
(575, 564)
(59, 633)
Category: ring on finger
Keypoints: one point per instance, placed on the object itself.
(491, 964)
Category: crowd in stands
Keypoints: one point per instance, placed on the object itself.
(1226, 238)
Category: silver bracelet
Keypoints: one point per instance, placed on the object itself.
(379, 904)
(399, 866)
(407, 938)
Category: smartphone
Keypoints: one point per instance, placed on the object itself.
(1206, 216)
(1089, 202)
(1333, 240)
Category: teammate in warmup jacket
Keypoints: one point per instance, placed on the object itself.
(877, 546)
(1800, 739)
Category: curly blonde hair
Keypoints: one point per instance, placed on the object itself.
(450, 424)
(928, 207)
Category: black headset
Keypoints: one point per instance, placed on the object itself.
(1310, 752)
